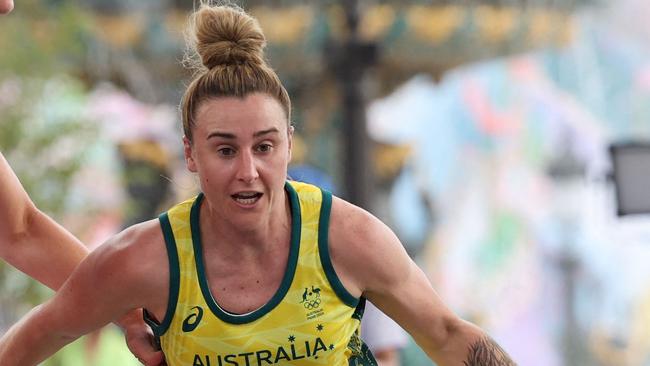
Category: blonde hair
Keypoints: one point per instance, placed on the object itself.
(230, 45)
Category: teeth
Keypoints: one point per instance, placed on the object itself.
(246, 201)
(247, 198)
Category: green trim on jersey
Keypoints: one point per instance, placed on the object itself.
(288, 274)
(360, 309)
(323, 248)
(174, 279)
(305, 323)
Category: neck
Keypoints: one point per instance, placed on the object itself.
(273, 229)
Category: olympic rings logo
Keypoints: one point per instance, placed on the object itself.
(310, 305)
(311, 298)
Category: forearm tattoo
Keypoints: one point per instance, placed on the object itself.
(486, 352)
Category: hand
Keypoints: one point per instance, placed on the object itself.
(140, 343)
(6, 6)
(140, 339)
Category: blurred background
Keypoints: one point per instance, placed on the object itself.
(504, 141)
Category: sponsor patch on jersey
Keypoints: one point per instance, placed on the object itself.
(192, 321)
(311, 300)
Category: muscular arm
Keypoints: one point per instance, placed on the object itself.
(29, 239)
(110, 282)
(397, 286)
(35, 244)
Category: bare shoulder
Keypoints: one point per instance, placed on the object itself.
(366, 254)
(114, 279)
(136, 258)
(138, 246)
(352, 226)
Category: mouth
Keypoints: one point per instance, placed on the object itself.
(247, 198)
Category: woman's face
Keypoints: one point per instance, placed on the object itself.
(6, 6)
(241, 149)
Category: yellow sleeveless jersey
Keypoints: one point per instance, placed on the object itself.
(311, 320)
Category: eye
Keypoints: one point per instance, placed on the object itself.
(226, 151)
(264, 147)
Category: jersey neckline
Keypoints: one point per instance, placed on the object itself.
(289, 273)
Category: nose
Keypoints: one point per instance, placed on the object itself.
(247, 168)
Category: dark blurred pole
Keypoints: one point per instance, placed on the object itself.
(349, 60)
(571, 341)
(568, 174)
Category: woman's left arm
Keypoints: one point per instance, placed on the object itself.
(397, 286)
(112, 281)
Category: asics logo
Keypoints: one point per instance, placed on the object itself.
(192, 321)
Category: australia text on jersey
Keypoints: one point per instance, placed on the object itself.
(312, 349)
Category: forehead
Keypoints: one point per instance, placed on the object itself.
(240, 115)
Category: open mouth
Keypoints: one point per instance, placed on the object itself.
(247, 198)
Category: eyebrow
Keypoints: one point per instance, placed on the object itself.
(266, 132)
(231, 136)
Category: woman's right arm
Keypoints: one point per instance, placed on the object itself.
(30, 240)
(111, 281)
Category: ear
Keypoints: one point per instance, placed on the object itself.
(189, 155)
(290, 139)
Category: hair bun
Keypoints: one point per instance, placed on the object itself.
(226, 35)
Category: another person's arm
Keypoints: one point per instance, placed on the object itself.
(30, 240)
(38, 246)
(387, 356)
(112, 281)
(397, 286)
